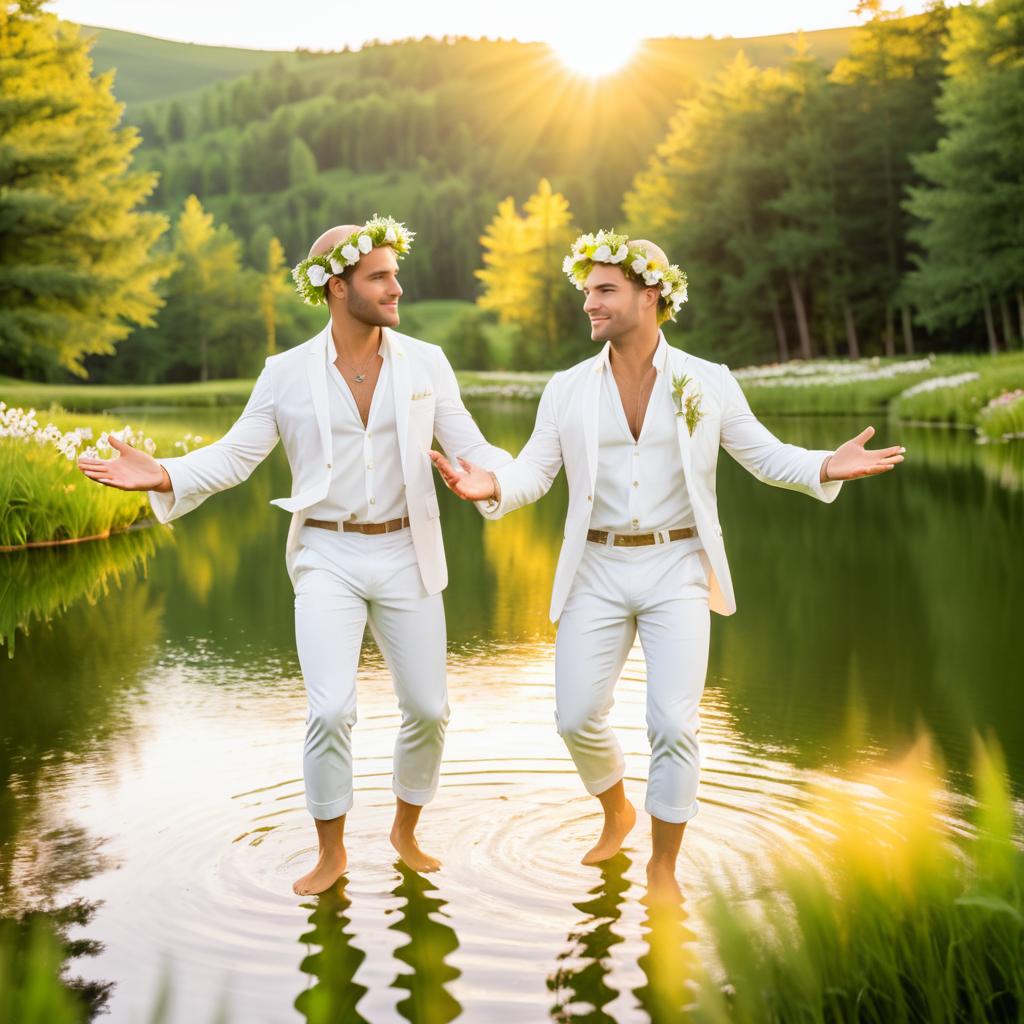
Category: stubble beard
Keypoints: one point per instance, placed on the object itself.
(370, 313)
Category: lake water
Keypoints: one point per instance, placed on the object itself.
(154, 714)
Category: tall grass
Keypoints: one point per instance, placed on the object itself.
(44, 497)
(885, 920)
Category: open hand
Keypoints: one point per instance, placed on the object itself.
(132, 471)
(852, 460)
(472, 484)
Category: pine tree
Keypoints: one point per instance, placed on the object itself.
(212, 319)
(76, 269)
(971, 210)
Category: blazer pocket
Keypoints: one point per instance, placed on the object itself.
(433, 509)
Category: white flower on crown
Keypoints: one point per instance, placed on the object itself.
(351, 254)
(652, 277)
(602, 254)
(317, 275)
(639, 265)
(365, 244)
(620, 254)
(336, 267)
(666, 288)
(389, 235)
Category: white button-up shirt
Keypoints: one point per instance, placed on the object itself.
(640, 484)
(367, 483)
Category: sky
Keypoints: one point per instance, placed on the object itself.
(333, 24)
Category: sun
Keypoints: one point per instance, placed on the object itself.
(595, 55)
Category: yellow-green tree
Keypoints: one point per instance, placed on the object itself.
(522, 273)
(273, 285)
(76, 270)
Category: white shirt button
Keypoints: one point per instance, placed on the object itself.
(636, 483)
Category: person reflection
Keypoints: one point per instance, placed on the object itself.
(580, 983)
(336, 994)
(431, 940)
(668, 962)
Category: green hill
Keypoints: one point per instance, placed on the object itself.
(155, 69)
(151, 69)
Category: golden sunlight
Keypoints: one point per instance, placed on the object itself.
(595, 54)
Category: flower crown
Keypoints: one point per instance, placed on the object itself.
(313, 273)
(636, 263)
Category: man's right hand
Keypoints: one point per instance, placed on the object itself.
(473, 484)
(132, 471)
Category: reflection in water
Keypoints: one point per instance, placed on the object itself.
(336, 995)
(136, 708)
(39, 586)
(431, 940)
(581, 984)
(668, 964)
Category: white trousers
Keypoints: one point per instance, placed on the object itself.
(343, 581)
(662, 592)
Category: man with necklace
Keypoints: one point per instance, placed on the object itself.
(357, 407)
(638, 428)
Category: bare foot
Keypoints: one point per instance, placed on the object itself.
(617, 825)
(662, 887)
(409, 850)
(330, 866)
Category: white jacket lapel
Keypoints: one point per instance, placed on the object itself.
(401, 384)
(677, 367)
(591, 413)
(316, 371)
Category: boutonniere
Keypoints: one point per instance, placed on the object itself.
(688, 405)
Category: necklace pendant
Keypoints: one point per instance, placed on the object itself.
(360, 378)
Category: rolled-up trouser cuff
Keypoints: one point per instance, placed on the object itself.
(598, 787)
(673, 815)
(331, 809)
(419, 797)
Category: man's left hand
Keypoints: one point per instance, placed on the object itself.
(852, 460)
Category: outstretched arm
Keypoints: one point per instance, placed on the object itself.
(818, 473)
(455, 428)
(523, 480)
(178, 485)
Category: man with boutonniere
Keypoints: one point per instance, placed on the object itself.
(357, 407)
(638, 428)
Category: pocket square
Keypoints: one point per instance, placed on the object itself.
(416, 395)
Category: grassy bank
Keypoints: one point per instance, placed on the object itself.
(944, 390)
(44, 497)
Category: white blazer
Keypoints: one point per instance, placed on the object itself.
(290, 402)
(566, 434)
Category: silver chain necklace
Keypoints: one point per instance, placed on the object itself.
(360, 377)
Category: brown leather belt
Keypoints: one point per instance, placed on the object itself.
(389, 527)
(639, 540)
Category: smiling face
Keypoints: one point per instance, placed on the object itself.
(369, 291)
(615, 304)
